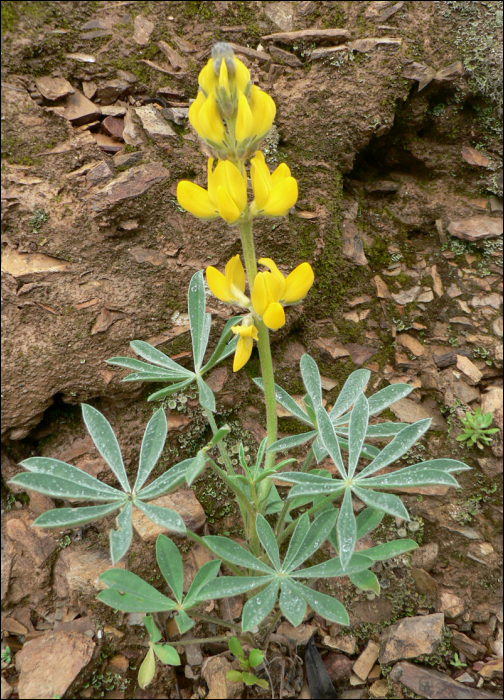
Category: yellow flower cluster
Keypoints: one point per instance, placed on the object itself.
(271, 291)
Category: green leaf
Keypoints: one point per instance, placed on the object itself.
(236, 648)
(288, 443)
(198, 317)
(120, 539)
(274, 502)
(352, 388)
(311, 379)
(367, 520)
(291, 603)
(346, 528)
(258, 607)
(152, 446)
(357, 432)
(169, 561)
(151, 354)
(196, 467)
(228, 586)
(62, 470)
(144, 368)
(234, 553)
(156, 375)
(315, 537)
(328, 438)
(206, 395)
(171, 389)
(167, 654)
(318, 450)
(128, 592)
(255, 657)
(207, 573)
(398, 446)
(220, 435)
(262, 683)
(221, 345)
(333, 567)
(249, 678)
(326, 606)
(183, 621)
(147, 669)
(260, 456)
(234, 676)
(381, 430)
(411, 477)
(367, 451)
(296, 540)
(382, 501)
(444, 465)
(286, 401)
(165, 517)
(106, 442)
(268, 540)
(386, 397)
(151, 628)
(366, 581)
(69, 517)
(390, 549)
(62, 488)
(172, 478)
(334, 490)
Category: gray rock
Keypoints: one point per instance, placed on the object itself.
(370, 43)
(100, 174)
(77, 571)
(54, 88)
(132, 133)
(131, 183)
(432, 684)
(281, 14)
(79, 110)
(425, 557)
(154, 124)
(476, 228)
(285, 57)
(408, 411)
(108, 93)
(143, 29)
(353, 248)
(335, 35)
(406, 296)
(122, 160)
(382, 187)
(411, 637)
(178, 115)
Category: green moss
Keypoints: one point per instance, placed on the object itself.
(9, 16)
(335, 17)
(377, 254)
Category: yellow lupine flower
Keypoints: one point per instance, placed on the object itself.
(274, 193)
(206, 119)
(247, 333)
(229, 287)
(226, 195)
(272, 291)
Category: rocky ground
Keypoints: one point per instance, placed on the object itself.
(389, 115)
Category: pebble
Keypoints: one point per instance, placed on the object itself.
(430, 683)
(476, 228)
(450, 604)
(366, 660)
(411, 637)
(156, 127)
(338, 666)
(214, 672)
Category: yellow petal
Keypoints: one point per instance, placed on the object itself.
(298, 283)
(212, 183)
(280, 173)
(268, 262)
(245, 331)
(261, 179)
(207, 78)
(244, 119)
(226, 206)
(194, 111)
(263, 111)
(235, 274)
(242, 75)
(282, 197)
(260, 294)
(229, 177)
(242, 353)
(195, 200)
(210, 122)
(218, 284)
(224, 77)
(274, 316)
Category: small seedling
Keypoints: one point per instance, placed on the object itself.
(6, 655)
(457, 662)
(476, 429)
(165, 653)
(254, 659)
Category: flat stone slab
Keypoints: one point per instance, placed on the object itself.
(334, 35)
(433, 684)
(411, 637)
(53, 88)
(154, 124)
(476, 228)
(130, 183)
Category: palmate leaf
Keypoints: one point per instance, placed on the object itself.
(235, 554)
(326, 606)
(228, 586)
(147, 669)
(206, 395)
(145, 368)
(291, 603)
(258, 607)
(152, 446)
(410, 477)
(346, 528)
(311, 379)
(286, 401)
(382, 501)
(292, 441)
(165, 517)
(268, 540)
(328, 438)
(170, 390)
(199, 320)
(120, 539)
(106, 443)
(183, 621)
(366, 581)
(367, 520)
(195, 468)
(386, 397)
(128, 592)
(169, 561)
(352, 388)
(314, 538)
(296, 540)
(167, 654)
(173, 477)
(334, 567)
(357, 432)
(221, 350)
(399, 446)
(151, 627)
(70, 517)
(63, 488)
(151, 354)
(206, 574)
(390, 549)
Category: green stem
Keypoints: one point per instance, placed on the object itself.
(280, 522)
(216, 621)
(221, 444)
(203, 640)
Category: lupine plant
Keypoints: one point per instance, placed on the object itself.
(273, 567)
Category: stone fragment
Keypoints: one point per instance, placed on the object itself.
(476, 228)
(111, 91)
(124, 160)
(49, 664)
(89, 89)
(105, 319)
(217, 378)
(411, 637)
(425, 584)
(345, 643)
(178, 115)
(497, 327)
(106, 143)
(325, 51)
(99, 174)
(359, 353)
(332, 348)
(471, 156)
(142, 255)
(81, 57)
(490, 466)
(370, 43)
(297, 636)
(425, 296)
(366, 660)
(379, 689)
(338, 666)
(78, 571)
(406, 296)
(465, 393)
(219, 687)
(492, 669)
(411, 343)
(131, 183)
(79, 110)
(38, 543)
(374, 674)
(450, 358)
(467, 646)
(453, 291)
(184, 502)
(131, 131)
(9, 624)
(334, 35)
(6, 690)
(250, 53)
(96, 24)
(154, 124)
(353, 248)
(382, 187)
(419, 71)
(113, 126)
(143, 29)
(450, 604)
(430, 683)
(381, 288)
(454, 70)
(408, 411)
(128, 76)
(53, 88)
(118, 664)
(20, 264)
(286, 57)
(438, 284)
(491, 402)
(493, 300)
(465, 365)
(177, 61)
(281, 14)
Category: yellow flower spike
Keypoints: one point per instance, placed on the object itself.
(235, 273)
(207, 78)
(274, 194)
(224, 77)
(298, 284)
(210, 124)
(263, 109)
(229, 287)
(195, 200)
(247, 333)
(272, 291)
(268, 262)
(280, 174)
(244, 119)
(241, 76)
(261, 179)
(226, 206)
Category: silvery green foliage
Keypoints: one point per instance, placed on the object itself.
(60, 480)
(163, 369)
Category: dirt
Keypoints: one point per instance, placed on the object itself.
(382, 174)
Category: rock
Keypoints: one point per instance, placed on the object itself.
(38, 543)
(471, 156)
(79, 110)
(359, 353)
(177, 61)
(408, 411)
(366, 660)
(178, 115)
(112, 90)
(465, 393)
(9, 624)
(492, 300)
(430, 683)
(332, 348)
(197, 557)
(370, 43)
(453, 291)
(450, 604)
(406, 296)
(7, 554)
(217, 379)
(49, 664)
(379, 689)
(123, 160)
(454, 70)
(470, 370)
(105, 319)
(492, 669)
(297, 636)
(419, 71)
(183, 502)
(337, 36)
(491, 402)
(338, 666)
(450, 358)
(143, 29)
(491, 466)
(131, 183)
(476, 228)
(284, 56)
(219, 687)
(89, 89)
(128, 76)
(425, 557)
(426, 296)
(193, 652)
(436, 279)
(325, 51)
(81, 57)
(113, 126)
(381, 288)
(411, 637)
(353, 248)
(100, 174)
(118, 664)
(281, 14)
(425, 584)
(467, 646)
(345, 643)
(374, 674)
(382, 187)
(54, 88)
(78, 571)
(411, 343)
(154, 125)
(6, 689)
(131, 132)
(497, 327)
(142, 255)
